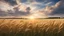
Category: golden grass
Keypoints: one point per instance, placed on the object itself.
(25, 27)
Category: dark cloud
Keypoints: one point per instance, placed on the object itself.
(11, 2)
(22, 13)
(40, 0)
(28, 9)
(2, 13)
(48, 1)
(16, 12)
(55, 10)
(23, 1)
(59, 10)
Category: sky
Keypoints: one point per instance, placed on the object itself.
(35, 8)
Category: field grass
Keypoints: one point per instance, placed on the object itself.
(37, 27)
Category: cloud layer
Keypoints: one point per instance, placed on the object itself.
(30, 7)
(57, 9)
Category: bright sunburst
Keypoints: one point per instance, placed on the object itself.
(31, 17)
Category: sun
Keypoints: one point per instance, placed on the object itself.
(32, 17)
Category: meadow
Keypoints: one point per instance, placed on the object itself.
(26, 27)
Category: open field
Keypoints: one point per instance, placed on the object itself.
(37, 27)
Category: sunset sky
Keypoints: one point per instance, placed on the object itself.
(35, 8)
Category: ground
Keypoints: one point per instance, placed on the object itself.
(27, 27)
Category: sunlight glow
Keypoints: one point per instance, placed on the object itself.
(31, 17)
(36, 16)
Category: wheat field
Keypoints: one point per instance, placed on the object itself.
(25, 27)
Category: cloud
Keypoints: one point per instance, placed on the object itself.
(39, 7)
(15, 12)
(11, 2)
(5, 6)
(6, 9)
(46, 1)
(2, 13)
(21, 13)
(23, 1)
(60, 8)
(54, 10)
